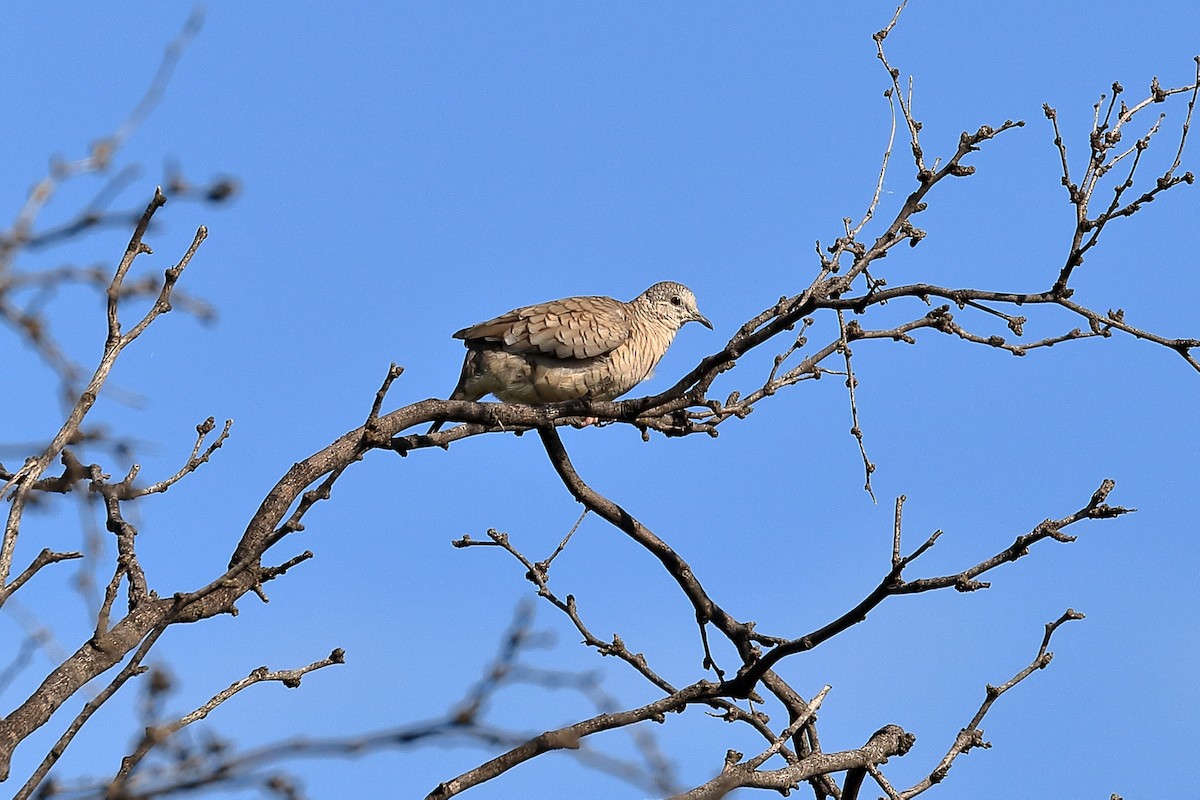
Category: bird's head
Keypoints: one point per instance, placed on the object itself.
(675, 303)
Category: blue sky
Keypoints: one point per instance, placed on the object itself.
(408, 170)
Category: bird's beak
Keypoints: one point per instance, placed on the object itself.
(703, 320)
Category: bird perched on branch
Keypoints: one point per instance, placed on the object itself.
(593, 347)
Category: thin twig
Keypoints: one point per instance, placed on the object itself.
(156, 735)
(131, 669)
(855, 428)
(971, 736)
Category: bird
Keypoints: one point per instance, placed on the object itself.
(577, 347)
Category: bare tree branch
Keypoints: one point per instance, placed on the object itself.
(971, 736)
(806, 327)
(155, 735)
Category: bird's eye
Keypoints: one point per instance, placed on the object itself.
(676, 300)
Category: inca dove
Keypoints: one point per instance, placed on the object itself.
(577, 347)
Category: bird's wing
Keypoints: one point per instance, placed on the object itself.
(575, 327)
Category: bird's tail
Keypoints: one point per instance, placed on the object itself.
(457, 394)
(465, 379)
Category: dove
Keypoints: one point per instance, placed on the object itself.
(577, 347)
